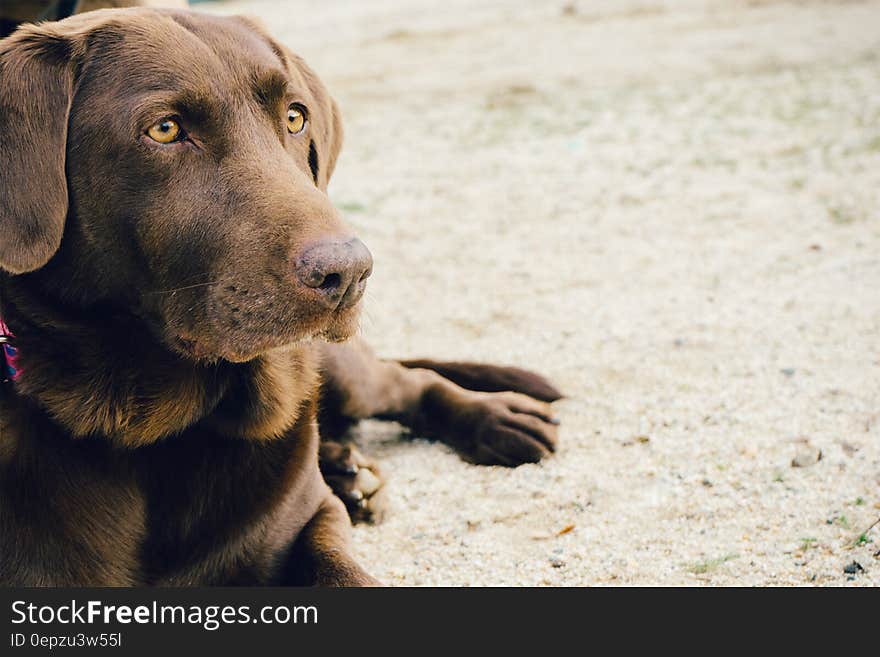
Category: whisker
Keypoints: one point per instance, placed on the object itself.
(185, 287)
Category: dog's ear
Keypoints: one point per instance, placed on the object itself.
(36, 80)
(325, 132)
(332, 138)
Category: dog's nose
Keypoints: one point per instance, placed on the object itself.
(338, 270)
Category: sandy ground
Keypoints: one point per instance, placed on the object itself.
(670, 208)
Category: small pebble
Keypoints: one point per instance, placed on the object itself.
(853, 568)
(806, 456)
(557, 562)
(848, 448)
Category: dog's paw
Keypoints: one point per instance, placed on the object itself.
(354, 479)
(507, 428)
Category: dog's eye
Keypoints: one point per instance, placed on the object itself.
(165, 131)
(296, 118)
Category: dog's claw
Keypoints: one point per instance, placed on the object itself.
(354, 479)
(367, 482)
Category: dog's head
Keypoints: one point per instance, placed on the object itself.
(176, 165)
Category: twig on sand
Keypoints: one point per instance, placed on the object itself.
(861, 538)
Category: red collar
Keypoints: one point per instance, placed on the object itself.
(9, 370)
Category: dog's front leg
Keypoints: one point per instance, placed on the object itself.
(320, 554)
(504, 428)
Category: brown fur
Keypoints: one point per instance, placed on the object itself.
(491, 378)
(493, 428)
(163, 430)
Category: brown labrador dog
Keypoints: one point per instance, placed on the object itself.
(175, 281)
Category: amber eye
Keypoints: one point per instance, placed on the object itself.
(296, 118)
(165, 131)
